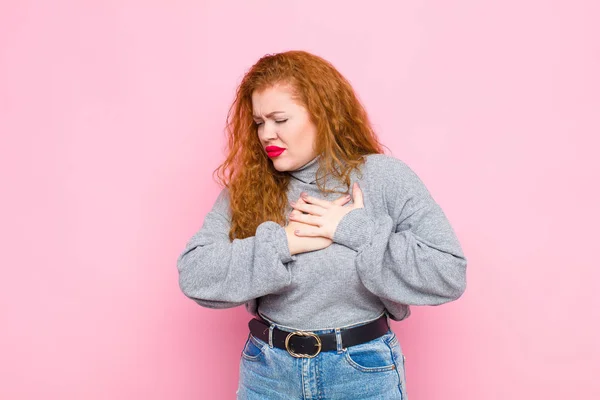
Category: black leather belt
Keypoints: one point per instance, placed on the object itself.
(307, 344)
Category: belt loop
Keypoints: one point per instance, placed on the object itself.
(338, 339)
(271, 327)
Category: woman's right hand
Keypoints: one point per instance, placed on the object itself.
(302, 244)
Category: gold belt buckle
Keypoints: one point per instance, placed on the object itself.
(306, 334)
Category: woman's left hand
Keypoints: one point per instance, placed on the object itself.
(322, 217)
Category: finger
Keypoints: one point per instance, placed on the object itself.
(300, 200)
(308, 208)
(318, 202)
(357, 196)
(306, 219)
(342, 200)
(308, 231)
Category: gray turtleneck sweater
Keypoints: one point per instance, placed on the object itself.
(398, 250)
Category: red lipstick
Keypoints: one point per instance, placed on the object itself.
(274, 151)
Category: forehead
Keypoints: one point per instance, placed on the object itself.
(270, 98)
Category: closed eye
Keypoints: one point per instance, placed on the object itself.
(281, 121)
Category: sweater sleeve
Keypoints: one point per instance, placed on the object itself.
(413, 260)
(219, 273)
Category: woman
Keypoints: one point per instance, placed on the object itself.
(321, 236)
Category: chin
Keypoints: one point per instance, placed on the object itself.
(283, 165)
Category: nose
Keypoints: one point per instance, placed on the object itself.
(267, 131)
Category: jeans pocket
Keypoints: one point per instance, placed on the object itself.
(373, 356)
(253, 349)
(400, 362)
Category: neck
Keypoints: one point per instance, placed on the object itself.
(308, 172)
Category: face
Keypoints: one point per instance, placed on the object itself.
(285, 130)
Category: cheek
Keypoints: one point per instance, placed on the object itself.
(301, 140)
(298, 137)
(309, 135)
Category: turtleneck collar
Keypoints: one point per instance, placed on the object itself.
(308, 172)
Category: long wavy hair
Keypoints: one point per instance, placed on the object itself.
(257, 191)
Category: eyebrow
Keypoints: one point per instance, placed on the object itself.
(269, 115)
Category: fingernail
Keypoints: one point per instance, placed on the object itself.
(296, 231)
(304, 195)
(293, 203)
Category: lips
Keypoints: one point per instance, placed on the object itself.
(274, 151)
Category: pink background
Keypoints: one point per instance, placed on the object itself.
(111, 121)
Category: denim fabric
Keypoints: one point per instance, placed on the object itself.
(372, 370)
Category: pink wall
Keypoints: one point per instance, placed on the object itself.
(111, 117)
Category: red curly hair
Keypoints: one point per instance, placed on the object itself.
(257, 190)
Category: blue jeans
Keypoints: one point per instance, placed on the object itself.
(372, 370)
